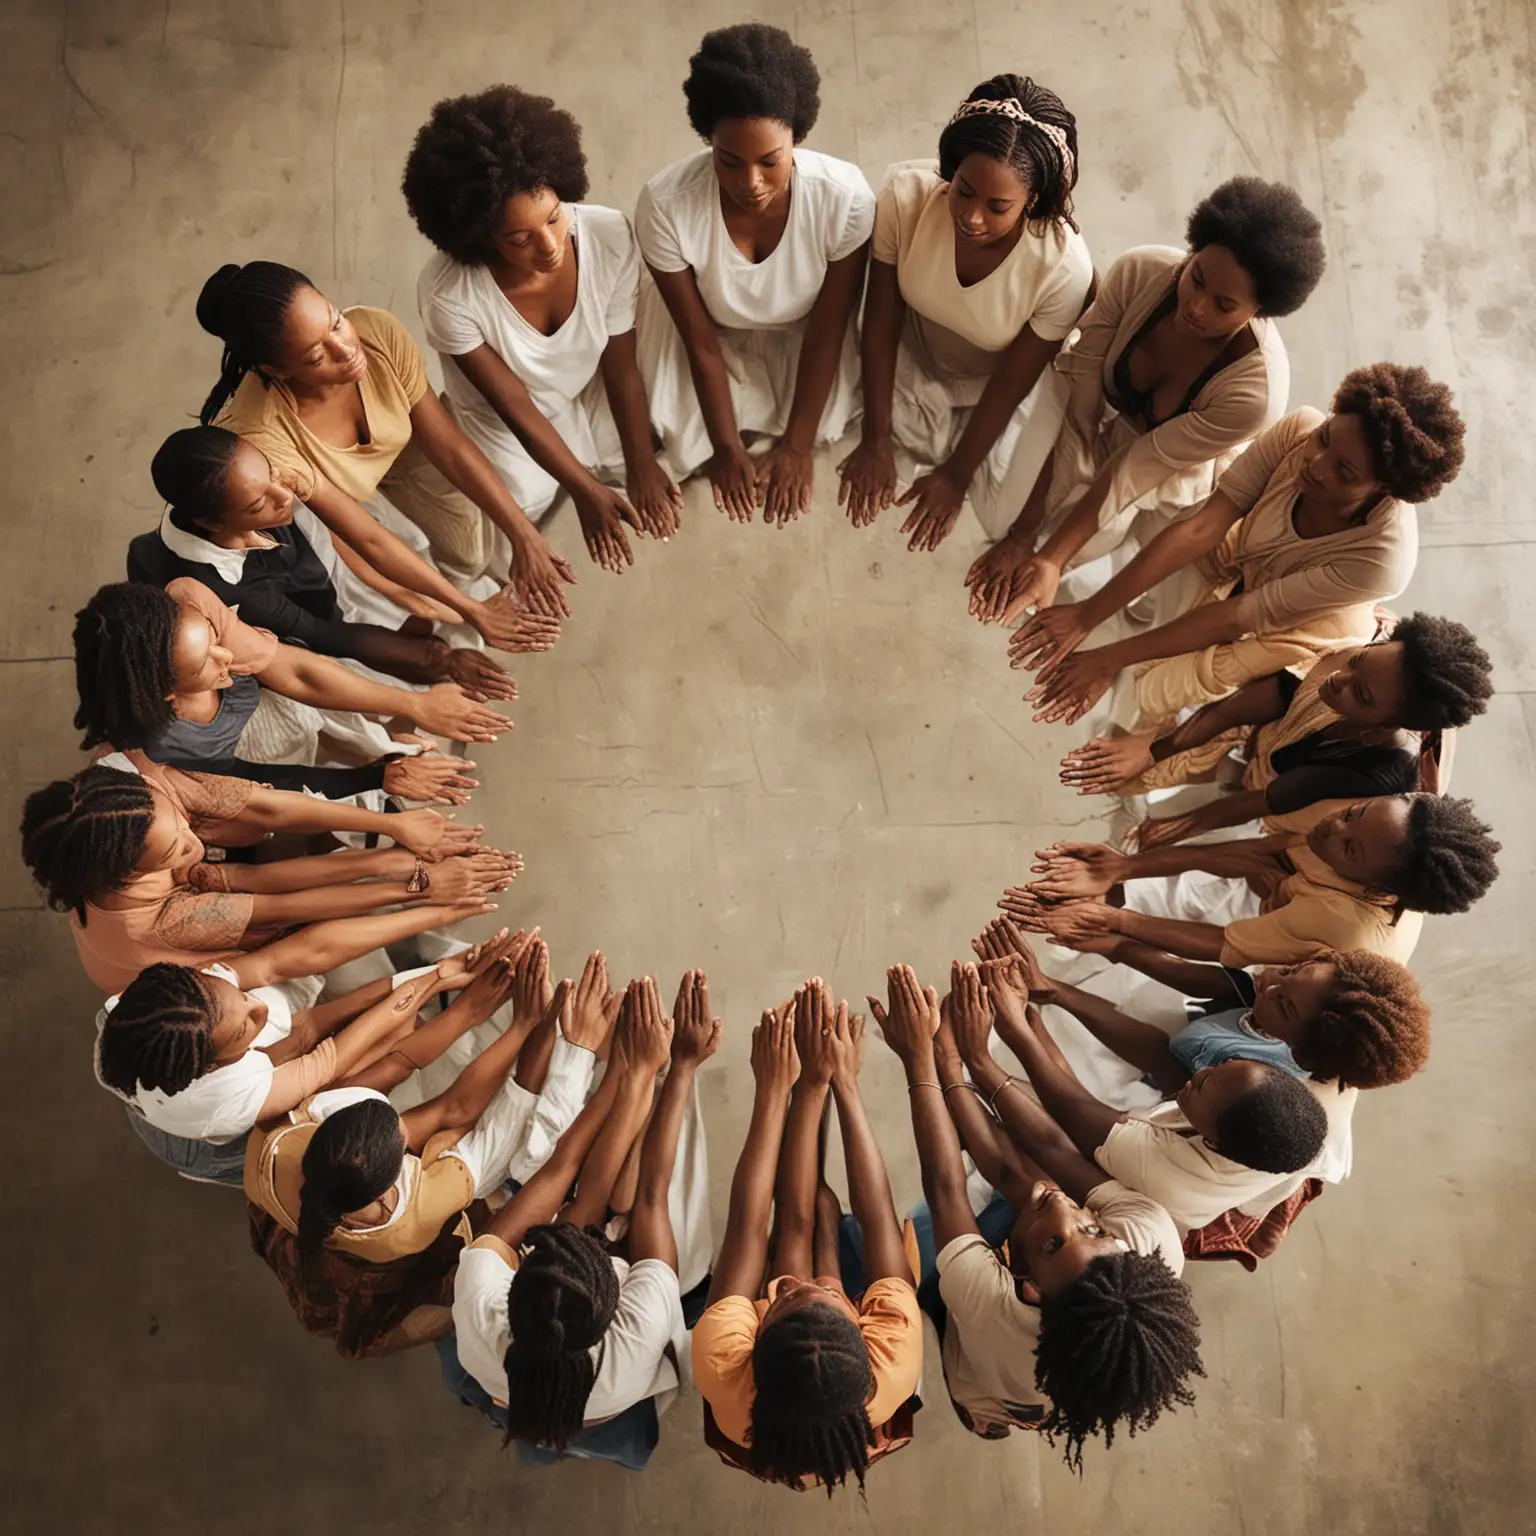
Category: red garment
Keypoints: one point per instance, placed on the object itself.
(1249, 1238)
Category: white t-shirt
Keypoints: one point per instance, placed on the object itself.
(990, 1339)
(1151, 1152)
(632, 1363)
(223, 1104)
(680, 225)
(462, 308)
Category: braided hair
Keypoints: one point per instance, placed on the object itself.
(1374, 1026)
(1449, 675)
(1276, 1127)
(561, 1301)
(246, 307)
(1412, 431)
(813, 1379)
(160, 1034)
(1449, 858)
(1118, 1345)
(1032, 153)
(352, 1159)
(85, 835)
(124, 673)
(752, 70)
(190, 470)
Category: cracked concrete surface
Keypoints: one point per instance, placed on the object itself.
(767, 753)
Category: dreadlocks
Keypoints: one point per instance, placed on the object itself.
(85, 835)
(124, 673)
(561, 1302)
(353, 1157)
(160, 1034)
(813, 1379)
(1117, 1345)
(1449, 858)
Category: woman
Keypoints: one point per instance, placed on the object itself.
(1355, 878)
(807, 1378)
(1084, 1326)
(979, 276)
(200, 1055)
(236, 528)
(1306, 532)
(120, 847)
(566, 1346)
(757, 248)
(530, 304)
(339, 401)
(175, 672)
(1365, 721)
(1177, 364)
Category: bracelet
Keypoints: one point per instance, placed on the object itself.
(419, 880)
(924, 1084)
(997, 1093)
(952, 1086)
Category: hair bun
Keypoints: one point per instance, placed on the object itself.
(213, 298)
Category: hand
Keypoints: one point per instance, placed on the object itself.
(430, 775)
(507, 625)
(538, 574)
(946, 1051)
(456, 971)
(775, 1062)
(603, 513)
(1071, 871)
(431, 836)
(936, 499)
(867, 480)
(970, 1014)
(594, 1007)
(531, 989)
(1107, 765)
(490, 988)
(1001, 940)
(644, 1031)
(695, 1031)
(658, 503)
(475, 672)
(1081, 925)
(829, 1042)
(1034, 588)
(732, 473)
(1162, 832)
(994, 577)
(1074, 687)
(912, 1019)
(784, 479)
(469, 877)
(1008, 988)
(1041, 643)
(446, 710)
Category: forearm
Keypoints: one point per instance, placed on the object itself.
(533, 1059)
(625, 390)
(326, 684)
(276, 810)
(1194, 941)
(325, 945)
(794, 1190)
(885, 313)
(869, 1187)
(426, 1043)
(1236, 859)
(822, 348)
(997, 1159)
(1172, 550)
(1234, 810)
(1209, 624)
(1144, 1046)
(744, 1248)
(1016, 374)
(321, 904)
(539, 436)
(315, 872)
(1190, 977)
(312, 1025)
(658, 1157)
(332, 783)
(938, 1153)
(601, 1168)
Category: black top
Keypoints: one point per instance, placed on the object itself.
(285, 588)
(1322, 767)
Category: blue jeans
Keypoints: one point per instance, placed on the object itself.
(995, 1221)
(628, 1438)
(215, 1163)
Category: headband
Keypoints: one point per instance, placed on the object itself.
(1011, 108)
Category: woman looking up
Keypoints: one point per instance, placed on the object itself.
(1285, 561)
(530, 304)
(979, 276)
(340, 402)
(758, 248)
(1177, 364)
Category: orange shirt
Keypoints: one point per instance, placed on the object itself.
(724, 1337)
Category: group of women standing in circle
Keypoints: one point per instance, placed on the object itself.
(517, 1174)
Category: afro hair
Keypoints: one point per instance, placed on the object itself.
(1275, 238)
(1413, 432)
(477, 151)
(752, 70)
(1374, 1026)
(1276, 1127)
(1449, 858)
(1450, 678)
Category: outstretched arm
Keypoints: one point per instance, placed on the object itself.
(799, 1171)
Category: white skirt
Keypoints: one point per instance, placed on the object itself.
(762, 367)
(930, 411)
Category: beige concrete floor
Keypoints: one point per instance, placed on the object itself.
(767, 753)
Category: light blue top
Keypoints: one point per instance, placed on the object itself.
(1230, 1036)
